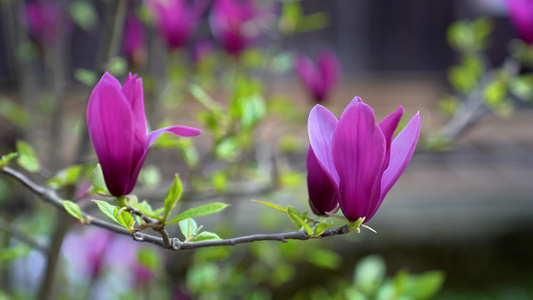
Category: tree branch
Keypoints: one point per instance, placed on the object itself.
(167, 242)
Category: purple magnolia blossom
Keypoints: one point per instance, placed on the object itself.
(43, 19)
(232, 24)
(355, 162)
(134, 39)
(318, 79)
(177, 20)
(117, 127)
(521, 12)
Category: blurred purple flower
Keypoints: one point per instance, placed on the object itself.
(134, 42)
(43, 19)
(355, 162)
(176, 19)
(141, 274)
(117, 127)
(521, 13)
(201, 50)
(232, 24)
(318, 79)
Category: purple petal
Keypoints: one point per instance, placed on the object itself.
(358, 154)
(355, 100)
(388, 127)
(133, 91)
(150, 139)
(110, 125)
(321, 126)
(402, 149)
(321, 190)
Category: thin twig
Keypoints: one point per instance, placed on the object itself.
(166, 242)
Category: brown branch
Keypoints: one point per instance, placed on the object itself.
(167, 242)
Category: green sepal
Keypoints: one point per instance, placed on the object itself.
(272, 205)
(296, 218)
(124, 218)
(27, 158)
(6, 158)
(73, 209)
(172, 197)
(206, 236)
(354, 226)
(320, 228)
(97, 179)
(203, 210)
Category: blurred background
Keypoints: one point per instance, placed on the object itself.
(457, 225)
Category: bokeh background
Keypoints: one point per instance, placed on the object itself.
(457, 225)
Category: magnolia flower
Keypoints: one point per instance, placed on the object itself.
(353, 161)
(117, 127)
(231, 24)
(521, 12)
(321, 78)
(43, 20)
(177, 20)
(134, 40)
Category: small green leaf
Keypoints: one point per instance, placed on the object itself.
(107, 209)
(201, 95)
(85, 76)
(295, 217)
(12, 253)
(188, 227)
(324, 258)
(320, 228)
(219, 181)
(369, 274)
(206, 236)
(124, 218)
(27, 158)
(14, 113)
(423, 286)
(118, 66)
(97, 178)
(84, 14)
(150, 259)
(203, 210)
(4, 161)
(353, 226)
(145, 208)
(272, 205)
(172, 197)
(255, 109)
(66, 177)
(72, 209)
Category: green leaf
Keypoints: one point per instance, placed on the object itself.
(495, 93)
(201, 95)
(72, 209)
(522, 87)
(85, 76)
(107, 209)
(188, 227)
(9, 254)
(14, 113)
(150, 176)
(84, 14)
(219, 181)
(424, 286)
(27, 158)
(118, 66)
(150, 259)
(173, 196)
(145, 208)
(206, 236)
(272, 205)
(4, 161)
(296, 218)
(97, 178)
(369, 274)
(228, 148)
(320, 228)
(324, 258)
(449, 105)
(124, 218)
(203, 210)
(66, 177)
(255, 109)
